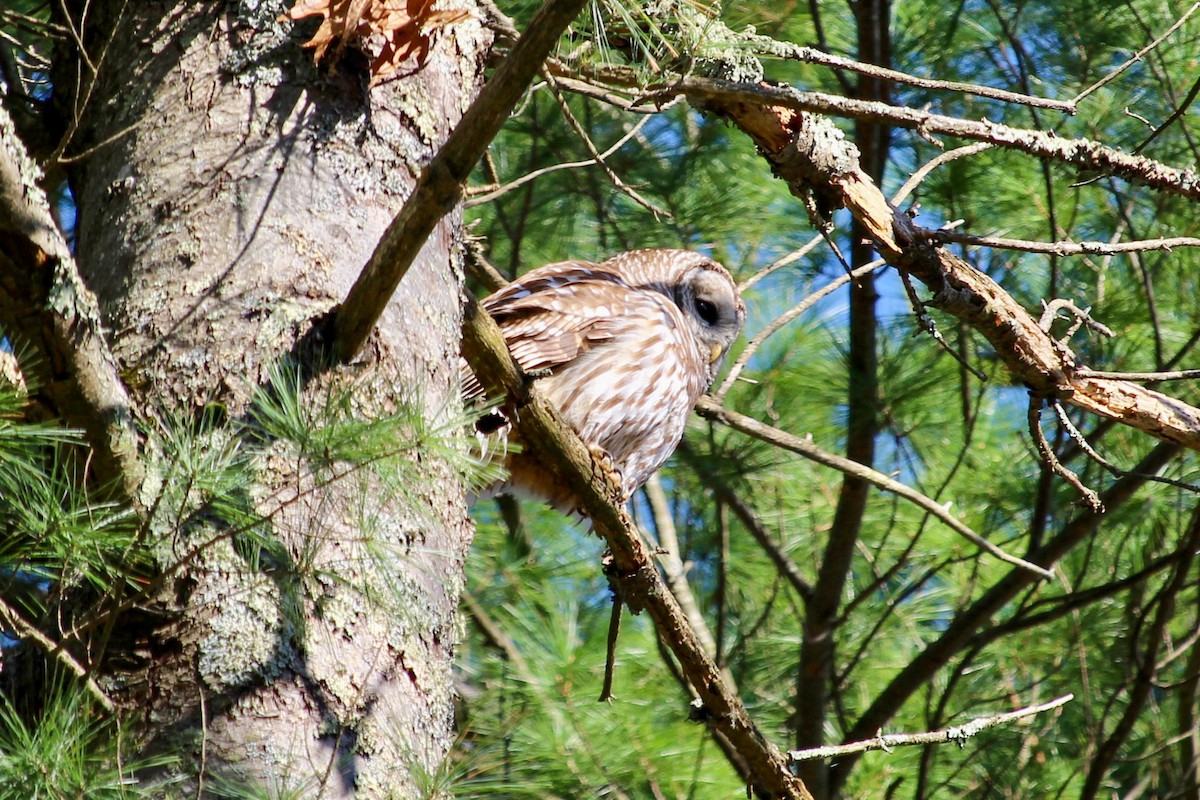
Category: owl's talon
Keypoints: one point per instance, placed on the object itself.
(608, 466)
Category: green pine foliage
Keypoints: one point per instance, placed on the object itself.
(960, 440)
(56, 537)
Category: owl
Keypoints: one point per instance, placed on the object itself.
(624, 348)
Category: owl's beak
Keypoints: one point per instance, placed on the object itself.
(715, 353)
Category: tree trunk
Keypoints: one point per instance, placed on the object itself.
(228, 193)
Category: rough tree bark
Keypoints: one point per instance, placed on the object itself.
(228, 193)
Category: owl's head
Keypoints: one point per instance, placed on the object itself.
(715, 313)
(703, 290)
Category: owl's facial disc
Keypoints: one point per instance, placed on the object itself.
(715, 307)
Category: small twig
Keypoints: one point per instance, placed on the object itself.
(783, 319)
(537, 173)
(1136, 57)
(926, 323)
(957, 733)
(597, 157)
(610, 651)
(917, 177)
(790, 258)
(1176, 114)
(1062, 248)
(203, 743)
(1083, 316)
(710, 409)
(1034, 417)
(1077, 436)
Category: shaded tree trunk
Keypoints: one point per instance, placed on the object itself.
(228, 193)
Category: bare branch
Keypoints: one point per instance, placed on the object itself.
(440, 186)
(1172, 375)
(710, 409)
(1034, 418)
(765, 45)
(1082, 153)
(780, 263)
(1179, 111)
(45, 305)
(1064, 248)
(957, 733)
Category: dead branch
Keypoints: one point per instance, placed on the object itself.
(957, 733)
(780, 263)
(764, 45)
(1082, 153)
(1064, 248)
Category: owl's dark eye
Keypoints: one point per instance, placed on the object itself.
(706, 310)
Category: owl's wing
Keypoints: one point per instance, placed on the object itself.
(556, 313)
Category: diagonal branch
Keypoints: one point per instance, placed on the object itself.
(45, 307)
(710, 409)
(440, 186)
(546, 436)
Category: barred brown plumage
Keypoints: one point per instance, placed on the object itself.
(624, 348)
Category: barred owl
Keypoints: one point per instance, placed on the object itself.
(623, 348)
